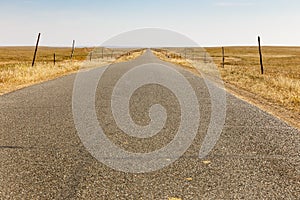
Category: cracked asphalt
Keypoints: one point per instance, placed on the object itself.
(42, 157)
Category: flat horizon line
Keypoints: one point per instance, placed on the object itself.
(125, 47)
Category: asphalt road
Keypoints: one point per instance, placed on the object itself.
(42, 157)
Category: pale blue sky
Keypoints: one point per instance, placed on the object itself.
(91, 22)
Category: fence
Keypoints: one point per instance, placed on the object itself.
(201, 54)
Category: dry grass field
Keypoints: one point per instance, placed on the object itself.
(16, 71)
(277, 91)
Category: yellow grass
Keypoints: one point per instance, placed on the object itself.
(279, 87)
(281, 82)
(16, 71)
(20, 75)
(11, 55)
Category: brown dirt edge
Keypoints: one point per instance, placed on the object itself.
(281, 113)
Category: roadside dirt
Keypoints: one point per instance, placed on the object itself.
(276, 110)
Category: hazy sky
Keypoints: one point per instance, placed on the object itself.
(91, 22)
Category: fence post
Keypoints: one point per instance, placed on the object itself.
(54, 59)
(260, 57)
(36, 48)
(223, 57)
(91, 55)
(112, 53)
(102, 52)
(73, 48)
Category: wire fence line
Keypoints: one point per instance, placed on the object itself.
(58, 54)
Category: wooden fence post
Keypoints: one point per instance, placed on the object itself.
(91, 55)
(102, 52)
(223, 57)
(36, 48)
(73, 49)
(54, 59)
(260, 57)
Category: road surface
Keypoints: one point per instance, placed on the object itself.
(42, 156)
